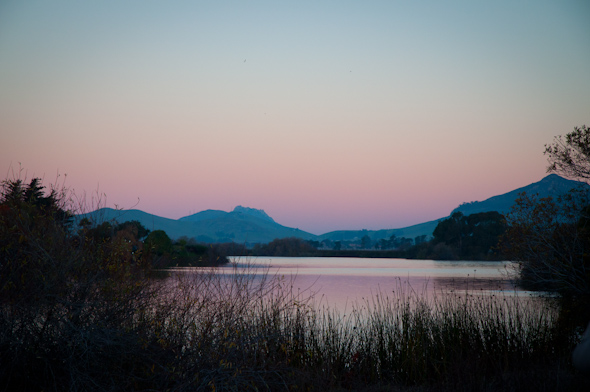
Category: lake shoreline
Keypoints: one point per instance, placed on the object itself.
(358, 253)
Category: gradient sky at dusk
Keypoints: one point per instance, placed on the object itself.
(326, 114)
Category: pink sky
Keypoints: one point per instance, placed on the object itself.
(327, 116)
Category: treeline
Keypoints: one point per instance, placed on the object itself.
(155, 247)
(459, 237)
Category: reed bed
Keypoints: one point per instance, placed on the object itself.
(206, 331)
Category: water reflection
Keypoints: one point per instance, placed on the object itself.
(341, 282)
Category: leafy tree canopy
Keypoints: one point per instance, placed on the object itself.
(31, 200)
(158, 242)
(470, 237)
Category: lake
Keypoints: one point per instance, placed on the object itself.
(343, 282)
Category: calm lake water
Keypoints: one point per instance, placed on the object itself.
(343, 282)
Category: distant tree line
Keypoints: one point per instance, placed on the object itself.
(155, 246)
(287, 247)
(461, 237)
(458, 237)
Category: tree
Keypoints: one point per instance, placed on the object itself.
(366, 242)
(187, 252)
(70, 301)
(289, 247)
(452, 230)
(33, 236)
(158, 242)
(570, 155)
(549, 238)
(469, 237)
(385, 243)
(420, 239)
(31, 198)
(138, 230)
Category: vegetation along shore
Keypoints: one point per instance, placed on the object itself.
(84, 306)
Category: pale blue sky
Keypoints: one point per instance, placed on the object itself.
(327, 114)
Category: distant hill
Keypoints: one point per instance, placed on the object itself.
(242, 225)
(204, 215)
(172, 227)
(412, 232)
(249, 225)
(552, 185)
(217, 214)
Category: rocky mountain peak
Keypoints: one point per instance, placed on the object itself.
(253, 212)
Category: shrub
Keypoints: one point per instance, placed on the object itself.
(67, 300)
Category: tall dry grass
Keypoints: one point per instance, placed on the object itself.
(198, 329)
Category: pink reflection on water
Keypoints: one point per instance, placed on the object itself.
(344, 282)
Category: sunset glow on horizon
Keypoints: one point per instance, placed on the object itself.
(328, 115)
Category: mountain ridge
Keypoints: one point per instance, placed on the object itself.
(242, 225)
(250, 225)
(551, 185)
(217, 214)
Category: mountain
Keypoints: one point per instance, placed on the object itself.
(426, 228)
(174, 228)
(550, 186)
(242, 225)
(217, 214)
(249, 225)
(204, 215)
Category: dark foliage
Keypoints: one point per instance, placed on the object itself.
(550, 238)
(67, 299)
(183, 252)
(471, 237)
(285, 247)
(569, 155)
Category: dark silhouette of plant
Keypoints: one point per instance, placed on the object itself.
(569, 155)
(68, 300)
(468, 237)
(550, 239)
(285, 247)
(158, 242)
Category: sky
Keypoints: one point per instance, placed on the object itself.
(329, 115)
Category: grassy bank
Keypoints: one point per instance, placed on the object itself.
(210, 332)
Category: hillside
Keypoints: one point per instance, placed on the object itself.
(249, 225)
(174, 228)
(409, 232)
(552, 185)
(242, 225)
